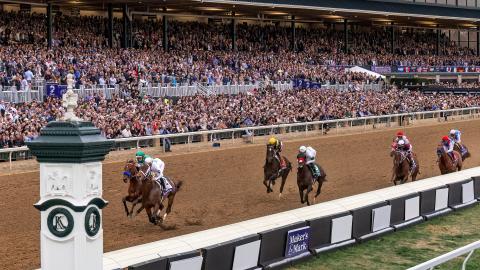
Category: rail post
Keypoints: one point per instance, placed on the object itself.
(70, 155)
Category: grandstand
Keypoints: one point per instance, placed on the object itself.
(201, 71)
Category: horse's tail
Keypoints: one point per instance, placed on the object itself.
(179, 185)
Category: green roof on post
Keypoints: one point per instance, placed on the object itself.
(70, 142)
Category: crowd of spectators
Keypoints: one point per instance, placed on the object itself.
(201, 52)
(130, 117)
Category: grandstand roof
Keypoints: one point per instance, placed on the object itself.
(376, 12)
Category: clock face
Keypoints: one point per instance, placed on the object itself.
(60, 222)
(92, 221)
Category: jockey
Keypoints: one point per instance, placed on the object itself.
(448, 145)
(455, 136)
(278, 147)
(310, 155)
(157, 166)
(401, 142)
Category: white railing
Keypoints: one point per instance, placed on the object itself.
(470, 248)
(306, 127)
(190, 90)
(102, 90)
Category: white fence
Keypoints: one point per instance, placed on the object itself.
(470, 248)
(190, 90)
(317, 127)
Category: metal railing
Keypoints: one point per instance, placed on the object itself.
(470, 248)
(103, 90)
(303, 128)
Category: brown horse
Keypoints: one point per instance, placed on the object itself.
(153, 197)
(401, 167)
(465, 153)
(305, 180)
(134, 188)
(445, 162)
(272, 171)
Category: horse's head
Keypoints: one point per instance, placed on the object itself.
(144, 173)
(130, 170)
(270, 153)
(398, 157)
(440, 150)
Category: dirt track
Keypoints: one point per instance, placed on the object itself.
(222, 187)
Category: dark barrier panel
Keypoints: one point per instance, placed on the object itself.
(221, 256)
(186, 261)
(272, 249)
(461, 194)
(330, 232)
(405, 211)
(434, 202)
(364, 221)
(476, 185)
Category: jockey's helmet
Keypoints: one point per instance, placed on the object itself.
(302, 149)
(272, 141)
(400, 134)
(445, 139)
(148, 160)
(140, 154)
(452, 132)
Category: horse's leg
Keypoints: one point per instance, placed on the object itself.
(171, 197)
(134, 203)
(308, 192)
(124, 200)
(151, 218)
(139, 210)
(300, 190)
(266, 182)
(319, 189)
(284, 179)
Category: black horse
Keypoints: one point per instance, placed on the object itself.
(272, 169)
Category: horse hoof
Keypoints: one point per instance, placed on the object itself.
(280, 195)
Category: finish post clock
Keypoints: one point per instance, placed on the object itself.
(70, 153)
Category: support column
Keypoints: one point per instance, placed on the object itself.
(165, 31)
(345, 36)
(294, 37)
(49, 25)
(437, 47)
(234, 32)
(392, 38)
(70, 153)
(125, 26)
(478, 40)
(110, 25)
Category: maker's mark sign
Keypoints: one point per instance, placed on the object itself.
(297, 241)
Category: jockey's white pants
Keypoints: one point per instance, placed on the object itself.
(311, 154)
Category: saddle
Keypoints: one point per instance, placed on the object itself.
(315, 169)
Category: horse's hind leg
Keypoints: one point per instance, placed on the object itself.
(171, 197)
(319, 189)
(284, 179)
(151, 217)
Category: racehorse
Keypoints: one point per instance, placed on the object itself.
(152, 195)
(445, 162)
(401, 167)
(134, 188)
(305, 180)
(465, 153)
(272, 171)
